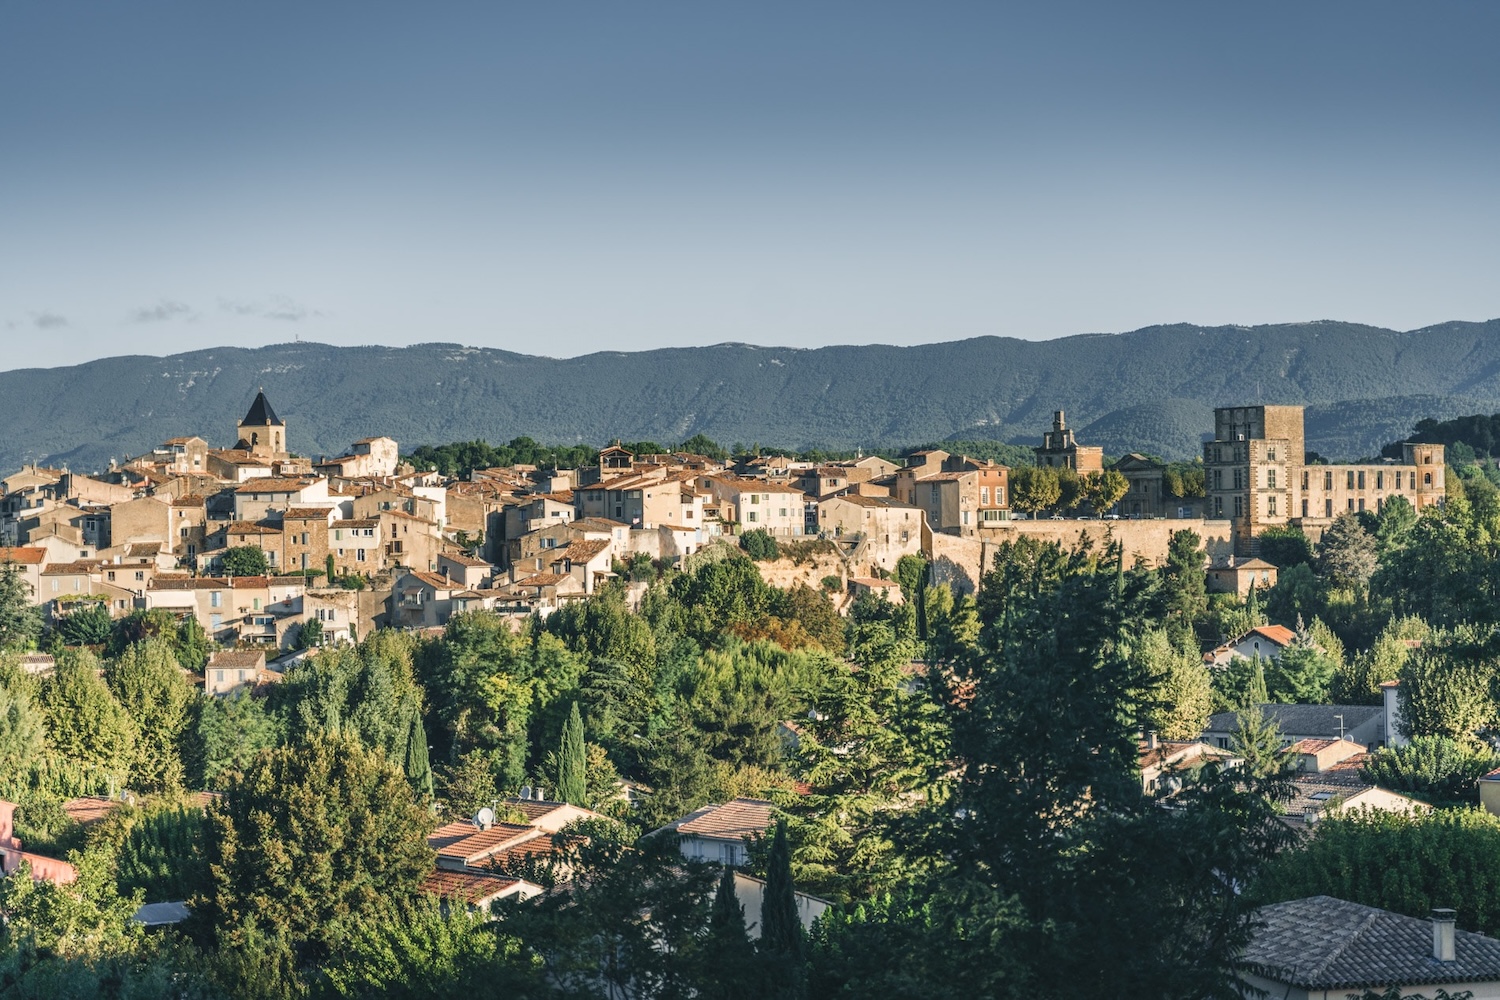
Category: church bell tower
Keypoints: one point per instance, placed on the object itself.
(262, 433)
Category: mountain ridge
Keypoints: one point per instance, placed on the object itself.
(1151, 389)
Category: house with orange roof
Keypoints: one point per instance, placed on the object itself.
(718, 833)
(1314, 755)
(1165, 765)
(29, 561)
(1263, 641)
(481, 860)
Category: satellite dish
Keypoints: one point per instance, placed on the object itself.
(484, 817)
(525, 791)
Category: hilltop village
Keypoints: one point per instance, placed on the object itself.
(363, 541)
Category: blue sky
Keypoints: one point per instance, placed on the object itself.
(559, 178)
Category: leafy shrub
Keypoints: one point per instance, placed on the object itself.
(759, 545)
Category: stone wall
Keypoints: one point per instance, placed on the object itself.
(961, 561)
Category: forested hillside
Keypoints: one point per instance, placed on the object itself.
(1151, 390)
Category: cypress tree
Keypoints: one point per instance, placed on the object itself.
(418, 768)
(572, 783)
(922, 604)
(730, 965)
(781, 940)
(726, 918)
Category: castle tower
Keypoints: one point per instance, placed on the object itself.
(262, 432)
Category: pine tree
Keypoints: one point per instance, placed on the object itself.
(1256, 737)
(572, 782)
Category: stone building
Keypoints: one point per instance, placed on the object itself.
(1255, 474)
(1146, 496)
(1061, 450)
(958, 495)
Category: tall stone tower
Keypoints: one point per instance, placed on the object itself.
(262, 432)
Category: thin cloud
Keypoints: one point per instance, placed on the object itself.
(48, 321)
(163, 311)
(278, 307)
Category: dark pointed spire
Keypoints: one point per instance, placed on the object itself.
(261, 414)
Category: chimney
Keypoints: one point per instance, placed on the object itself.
(1442, 934)
(1151, 740)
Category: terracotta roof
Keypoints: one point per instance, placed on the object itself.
(1354, 762)
(1322, 943)
(306, 513)
(434, 580)
(393, 512)
(860, 500)
(464, 560)
(249, 528)
(469, 887)
(464, 842)
(582, 551)
(731, 821)
(89, 809)
(541, 580)
(534, 809)
(1174, 752)
(237, 659)
(24, 555)
(357, 522)
(81, 567)
(284, 484)
(1279, 634)
(1316, 745)
(598, 524)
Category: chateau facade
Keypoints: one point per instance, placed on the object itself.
(1256, 474)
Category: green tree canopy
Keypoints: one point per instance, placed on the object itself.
(149, 684)
(1406, 863)
(312, 839)
(86, 726)
(20, 620)
(1435, 769)
(244, 560)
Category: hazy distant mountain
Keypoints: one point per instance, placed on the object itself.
(1150, 390)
